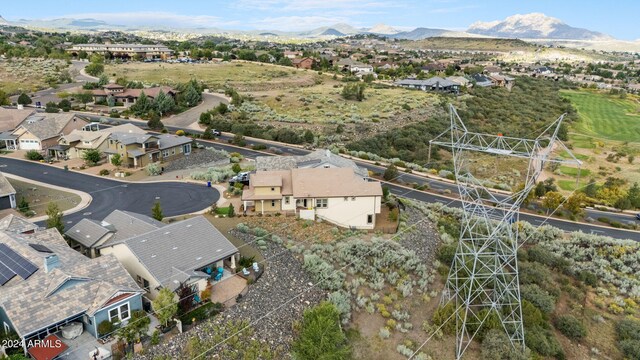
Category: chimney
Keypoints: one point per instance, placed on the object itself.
(51, 262)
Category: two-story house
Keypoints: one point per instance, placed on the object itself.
(336, 195)
(42, 130)
(73, 145)
(138, 150)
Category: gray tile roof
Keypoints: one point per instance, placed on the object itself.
(168, 141)
(5, 187)
(318, 158)
(177, 251)
(128, 138)
(41, 300)
(46, 126)
(16, 224)
(88, 232)
(128, 224)
(135, 153)
(434, 81)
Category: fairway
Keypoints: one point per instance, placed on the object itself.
(606, 116)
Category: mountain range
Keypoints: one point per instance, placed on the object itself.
(528, 26)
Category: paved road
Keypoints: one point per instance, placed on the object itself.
(188, 118)
(176, 198)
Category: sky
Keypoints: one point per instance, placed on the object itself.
(619, 21)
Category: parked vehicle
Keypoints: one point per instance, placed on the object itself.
(638, 216)
(216, 132)
(242, 178)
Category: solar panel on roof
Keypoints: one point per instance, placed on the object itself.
(15, 262)
(40, 248)
(5, 274)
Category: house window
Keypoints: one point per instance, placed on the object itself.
(119, 313)
(165, 153)
(346, 198)
(173, 151)
(369, 219)
(121, 146)
(322, 203)
(273, 189)
(286, 200)
(273, 203)
(186, 149)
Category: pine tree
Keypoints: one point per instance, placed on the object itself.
(164, 103)
(54, 217)
(156, 211)
(142, 105)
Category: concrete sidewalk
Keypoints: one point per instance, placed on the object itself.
(85, 199)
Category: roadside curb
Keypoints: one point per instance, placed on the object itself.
(85, 198)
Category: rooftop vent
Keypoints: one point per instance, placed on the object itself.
(51, 262)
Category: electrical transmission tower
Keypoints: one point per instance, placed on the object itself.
(483, 278)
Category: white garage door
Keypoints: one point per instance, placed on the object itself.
(29, 144)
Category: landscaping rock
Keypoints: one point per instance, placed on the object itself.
(422, 238)
(207, 157)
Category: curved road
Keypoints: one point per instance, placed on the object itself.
(176, 198)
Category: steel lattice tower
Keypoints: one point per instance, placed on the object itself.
(483, 279)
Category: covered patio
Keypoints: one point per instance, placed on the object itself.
(58, 152)
(9, 140)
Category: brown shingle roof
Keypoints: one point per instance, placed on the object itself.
(11, 118)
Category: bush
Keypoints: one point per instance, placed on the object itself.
(201, 313)
(391, 173)
(180, 132)
(104, 172)
(446, 253)
(153, 169)
(630, 348)
(628, 329)
(539, 298)
(321, 336)
(33, 155)
(571, 327)
(496, 346)
(105, 327)
(543, 342)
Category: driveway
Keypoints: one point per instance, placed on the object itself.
(190, 117)
(176, 198)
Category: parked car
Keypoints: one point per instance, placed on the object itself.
(242, 178)
(216, 132)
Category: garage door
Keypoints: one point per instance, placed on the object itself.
(29, 144)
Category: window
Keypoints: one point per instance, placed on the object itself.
(119, 313)
(165, 153)
(273, 189)
(322, 203)
(369, 219)
(286, 200)
(353, 198)
(273, 203)
(121, 146)
(173, 151)
(186, 149)
(346, 198)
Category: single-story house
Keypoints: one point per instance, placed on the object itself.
(139, 149)
(87, 235)
(185, 253)
(481, 80)
(7, 194)
(354, 66)
(320, 158)
(501, 80)
(303, 63)
(12, 118)
(432, 84)
(129, 96)
(336, 195)
(45, 285)
(42, 130)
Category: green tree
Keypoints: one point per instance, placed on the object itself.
(236, 168)
(143, 105)
(321, 336)
(232, 211)
(634, 195)
(154, 122)
(285, 61)
(84, 97)
(116, 160)
(54, 217)
(65, 105)
(192, 95)
(205, 118)
(591, 189)
(208, 133)
(51, 107)
(24, 99)
(164, 103)
(23, 205)
(4, 98)
(136, 328)
(156, 211)
(94, 69)
(391, 173)
(92, 156)
(308, 136)
(165, 305)
(574, 203)
(552, 200)
(354, 91)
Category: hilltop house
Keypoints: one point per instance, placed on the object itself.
(45, 285)
(42, 130)
(185, 252)
(336, 195)
(320, 158)
(73, 145)
(128, 97)
(435, 83)
(139, 149)
(7, 194)
(303, 63)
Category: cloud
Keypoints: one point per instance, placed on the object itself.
(155, 18)
(296, 23)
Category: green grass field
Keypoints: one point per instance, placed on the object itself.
(570, 185)
(565, 155)
(605, 116)
(571, 171)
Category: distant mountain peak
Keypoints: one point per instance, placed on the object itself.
(534, 26)
(383, 29)
(3, 21)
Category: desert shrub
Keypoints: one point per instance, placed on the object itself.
(628, 329)
(243, 228)
(213, 174)
(153, 169)
(104, 172)
(323, 273)
(384, 333)
(342, 301)
(571, 327)
(539, 298)
(543, 342)
(531, 315)
(33, 155)
(630, 348)
(496, 346)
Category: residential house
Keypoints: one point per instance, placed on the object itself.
(336, 195)
(492, 70)
(481, 80)
(462, 80)
(123, 50)
(45, 285)
(15, 224)
(12, 118)
(73, 145)
(542, 70)
(128, 97)
(354, 67)
(501, 81)
(320, 158)
(42, 130)
(7, 194)
(185, 253)
(87, 235)
(434, 67)
(138, 150)
(292, 54)
(435, 83)
(303, 63)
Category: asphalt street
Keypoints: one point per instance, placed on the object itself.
(176, 198)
